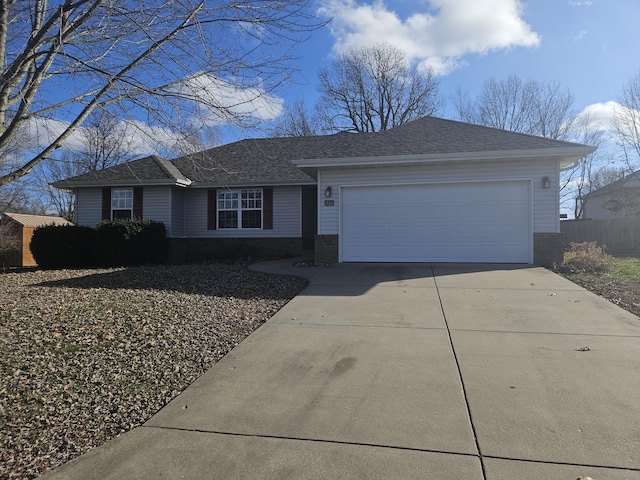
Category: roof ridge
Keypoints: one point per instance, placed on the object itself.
(168, 167)
(486, 127)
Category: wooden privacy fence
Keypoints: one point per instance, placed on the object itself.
(618, 234)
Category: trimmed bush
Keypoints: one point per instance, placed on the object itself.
(130, 242)
(63, 246)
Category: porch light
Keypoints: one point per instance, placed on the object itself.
(327, 192)
(546, 183)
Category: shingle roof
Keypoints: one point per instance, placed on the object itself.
(247, 162)
(146, 170)
(36, 220)
(635, 176)
(269, 160)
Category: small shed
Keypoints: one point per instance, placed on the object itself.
(22, 226)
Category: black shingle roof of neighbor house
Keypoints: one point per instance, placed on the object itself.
(268, 160)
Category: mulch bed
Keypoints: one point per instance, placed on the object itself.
(90, 354)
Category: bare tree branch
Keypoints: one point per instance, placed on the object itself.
(533, 107)
(375, 88)
(63, 60)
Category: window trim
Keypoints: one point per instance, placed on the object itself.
(130, 200)
(235, 196)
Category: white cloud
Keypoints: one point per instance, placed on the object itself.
(580, 35)
(139, 138)
(599, 115)
(580, 4)
(439, 40)
(213, 103)
(143, 139)
(42, 132)
(220, 101)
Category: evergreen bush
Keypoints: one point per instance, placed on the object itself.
(125, 242)
(63, 246)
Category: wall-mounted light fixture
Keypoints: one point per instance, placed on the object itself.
(546, 183)
(327, 192)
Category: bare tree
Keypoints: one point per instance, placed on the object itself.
(626, 122)
(9, 243)
(533, 107)
(300, 121)
(375, 88)
(589, 171)
(150, 59)
(102, 142)
(14, 198)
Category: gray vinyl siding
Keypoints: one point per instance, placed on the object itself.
(545, 201)
(594, 208)
(177, 213)
(88, 206)
(156, 205)
(287, 216)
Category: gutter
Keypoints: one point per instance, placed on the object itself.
(568, 153)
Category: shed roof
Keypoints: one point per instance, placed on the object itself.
(36, 220)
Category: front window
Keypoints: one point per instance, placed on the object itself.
(121, 203)
(240, 209)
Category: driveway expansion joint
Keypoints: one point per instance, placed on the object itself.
(313, 440)
(459, 369)
(390, 447)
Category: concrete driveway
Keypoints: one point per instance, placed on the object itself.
(442, 371)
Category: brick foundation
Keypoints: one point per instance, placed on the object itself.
(548, 249)
(185, 250)
(326, 249)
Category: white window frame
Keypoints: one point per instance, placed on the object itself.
(240, 201)
(121, 200)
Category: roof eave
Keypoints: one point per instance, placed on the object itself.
(566, 155)
(122, 183)
(255, 183)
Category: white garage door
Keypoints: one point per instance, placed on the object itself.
(458, 222)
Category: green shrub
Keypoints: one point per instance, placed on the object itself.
(587, 257)
(130, 242)
(63, 246)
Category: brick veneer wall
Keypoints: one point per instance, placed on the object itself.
(184, 250)
(548, 249)
(326, 249)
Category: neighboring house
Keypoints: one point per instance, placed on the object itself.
(619, 199)
(431, 190)
(22, 226)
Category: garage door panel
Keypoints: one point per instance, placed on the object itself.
(468, 222)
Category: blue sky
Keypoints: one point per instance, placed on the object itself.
(588, 46)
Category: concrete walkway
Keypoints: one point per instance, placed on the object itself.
(407, 371)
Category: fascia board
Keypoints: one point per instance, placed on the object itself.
(121, 183)
(564, 154)
(292, 183)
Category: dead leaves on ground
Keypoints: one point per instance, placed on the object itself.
(90, 354)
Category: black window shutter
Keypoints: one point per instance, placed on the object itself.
(212, 209)
(106, 203)
(137, 202)
(267, 208)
